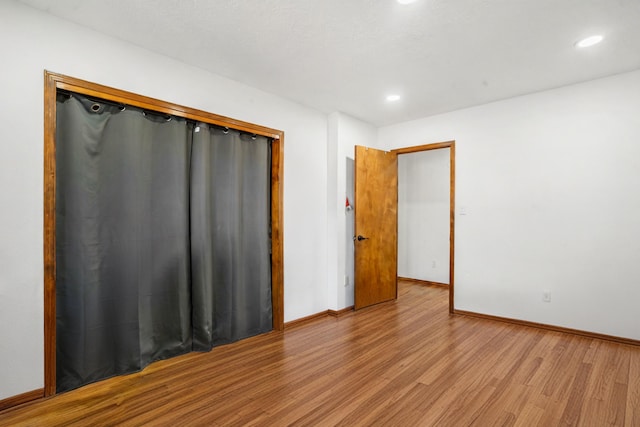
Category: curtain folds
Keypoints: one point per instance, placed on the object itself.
(230, 244)
(162, 239)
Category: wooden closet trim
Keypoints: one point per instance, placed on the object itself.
(53, 82)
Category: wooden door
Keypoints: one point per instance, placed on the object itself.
(376, 226)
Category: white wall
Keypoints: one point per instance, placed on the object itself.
(333, 275)
(350, 232)
(423, 215)
(32, 42)
(549, 182)
(345, 132)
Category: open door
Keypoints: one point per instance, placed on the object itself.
(376, 226)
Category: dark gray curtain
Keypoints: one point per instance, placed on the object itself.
(162, 238)
(230, 236)
(122, 240)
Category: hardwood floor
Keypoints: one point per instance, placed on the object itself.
(405, 363)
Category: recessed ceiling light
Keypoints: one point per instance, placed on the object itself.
(590, 41)
(393, 98)
(405, 1)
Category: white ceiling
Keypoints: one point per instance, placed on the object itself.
(347, 55)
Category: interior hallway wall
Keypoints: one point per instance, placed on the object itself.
(423, 215)
(350, 231)
(546, 200)
(345, 132)
(34, 41)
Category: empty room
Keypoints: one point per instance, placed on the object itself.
(339, 212)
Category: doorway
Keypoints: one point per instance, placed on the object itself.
(426, 223)
(376, 225)
(423, 217)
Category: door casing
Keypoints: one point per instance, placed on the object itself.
(452, 190)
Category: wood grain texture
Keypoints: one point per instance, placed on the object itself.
(402, 363)
(452, 223)
(53, 82)
(49, 237)
(341, 312)
(277, 229)
(305, 319)
(425, 147)
(21, 398)
(376, 219)
(423, 282)
(588, 334)
(90, 89)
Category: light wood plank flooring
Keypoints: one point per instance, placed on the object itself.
(406, 363)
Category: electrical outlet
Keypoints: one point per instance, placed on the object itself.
(433, 264)
(546, 296)
(346, 281)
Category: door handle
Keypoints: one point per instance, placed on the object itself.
(360, 238)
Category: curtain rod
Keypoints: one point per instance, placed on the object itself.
(168, 117)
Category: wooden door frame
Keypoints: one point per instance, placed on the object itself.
(452, 200)
(53, 82)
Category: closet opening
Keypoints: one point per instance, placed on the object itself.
(167, 197)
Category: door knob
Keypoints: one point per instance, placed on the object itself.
(361, 238)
